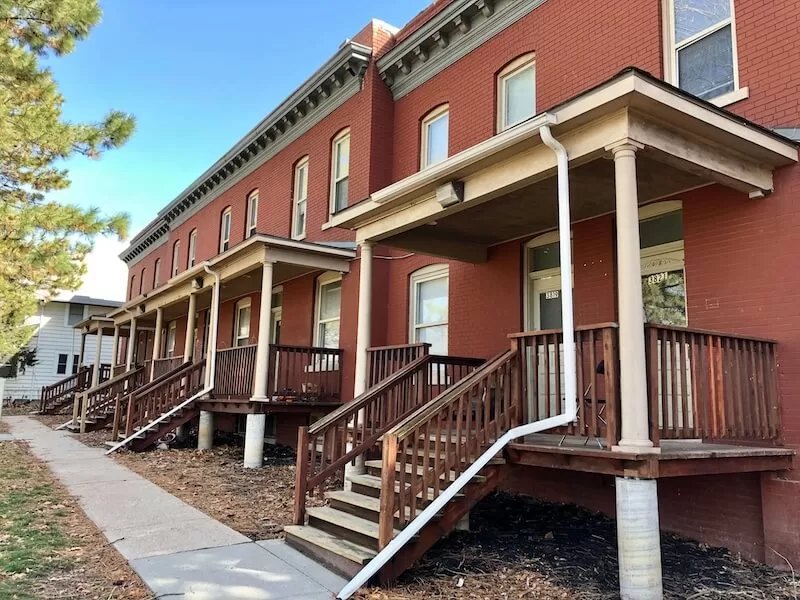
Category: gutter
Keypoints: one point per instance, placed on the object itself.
(570, 387)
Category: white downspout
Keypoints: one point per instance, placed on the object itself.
(570, 386)
(211, 367)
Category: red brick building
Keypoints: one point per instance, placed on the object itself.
(422, 150)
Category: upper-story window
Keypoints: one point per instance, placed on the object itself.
(340, 171)
(133, 286)
(141, 280)
(176, 258)
(516, 92)
(75, 311)
(192, 258)
(225, 230)
(702, 54)
(157, 273)
(300, 199)
(252, 213)
(435, 136)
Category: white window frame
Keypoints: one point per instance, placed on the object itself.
(423, 275)
(671, 49)
(322, 281)
(237, 311)
(169, 342)
(157, 273)
(430, 118)
(192, 258)
(66, 312)
(527, 61)
(252, 213)
(277, 314)
(225, 230)
(176, 257)
(300, 197)
(336, 147)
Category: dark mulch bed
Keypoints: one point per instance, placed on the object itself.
(519, 547)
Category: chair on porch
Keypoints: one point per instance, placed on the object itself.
(587, 401)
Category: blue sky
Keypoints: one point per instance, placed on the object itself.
(197, 74)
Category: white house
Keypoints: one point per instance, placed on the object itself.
(58, 344)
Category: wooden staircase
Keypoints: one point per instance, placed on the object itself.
(409, 460)
(60, 395)
(136, 412)
(95, 408)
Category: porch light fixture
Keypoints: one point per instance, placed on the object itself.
(450, 193)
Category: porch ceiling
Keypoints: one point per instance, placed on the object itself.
(509, 185)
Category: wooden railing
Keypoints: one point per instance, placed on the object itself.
(95, 401)
(149, 403)
(597, 362)
(118, 369)
(234, 372)
(353, 430)
(162, 366)
(711, 385)
(432, 446)
(302, 374)
(52, 394)
(105, 373)
(385, 360)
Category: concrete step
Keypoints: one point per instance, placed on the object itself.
(340, 555)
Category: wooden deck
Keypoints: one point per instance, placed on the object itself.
(678, 458)
(244, 406)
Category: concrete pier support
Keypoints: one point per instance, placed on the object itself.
(205, 431)
(638, 539)
(254, 441)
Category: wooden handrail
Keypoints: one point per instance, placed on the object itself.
(725, 334)
(398, 347)
(317, 349)
(542, 332)
(72, 384)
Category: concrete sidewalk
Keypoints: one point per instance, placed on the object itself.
(176, 549)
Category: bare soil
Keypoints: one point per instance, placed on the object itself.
(48, 547)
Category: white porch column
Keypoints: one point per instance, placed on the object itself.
(98, 349)
(260, 378)
(638, 539)
(633, 381)
(157, 341)
(205, 430)
(131, 344)
(191, 319)
(115, 349)
(82, 351)
(364, 331)
(254, 441)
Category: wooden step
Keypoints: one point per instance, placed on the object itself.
(374, 468)
(340, 555)
(345, 525)
(371, 485)
(360, 505)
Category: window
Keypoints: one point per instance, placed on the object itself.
(141, 281)
(516, 92)
(132, 286)
(329, 304)
(429, 307)
(702, 58)
(241, 330)
(61, 368)
(252, 213)
(277, 315)
(169, 347)
(300, 199)
(225, 230)
(75, 311)
(192, 258)
(435, 136)
(157, 273)
(340, 171)
(76, 362)
(176, 253)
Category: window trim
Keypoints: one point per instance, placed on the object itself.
(170, 339)
(156, 273)
(132, 287)
(323, 280)
(336, 144)
(176, 258)
(242, 303)
(251, 217)
(141, 280)
(301, 164)
(513, 68)
(431, 117)
(423, 275)
(58, 363)
(191, 255)
(671, 48)
(66, 312)
(225, 238)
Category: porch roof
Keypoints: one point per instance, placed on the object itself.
(686, 143)
(292, 258)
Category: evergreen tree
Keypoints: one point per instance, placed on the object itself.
(43, 244)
